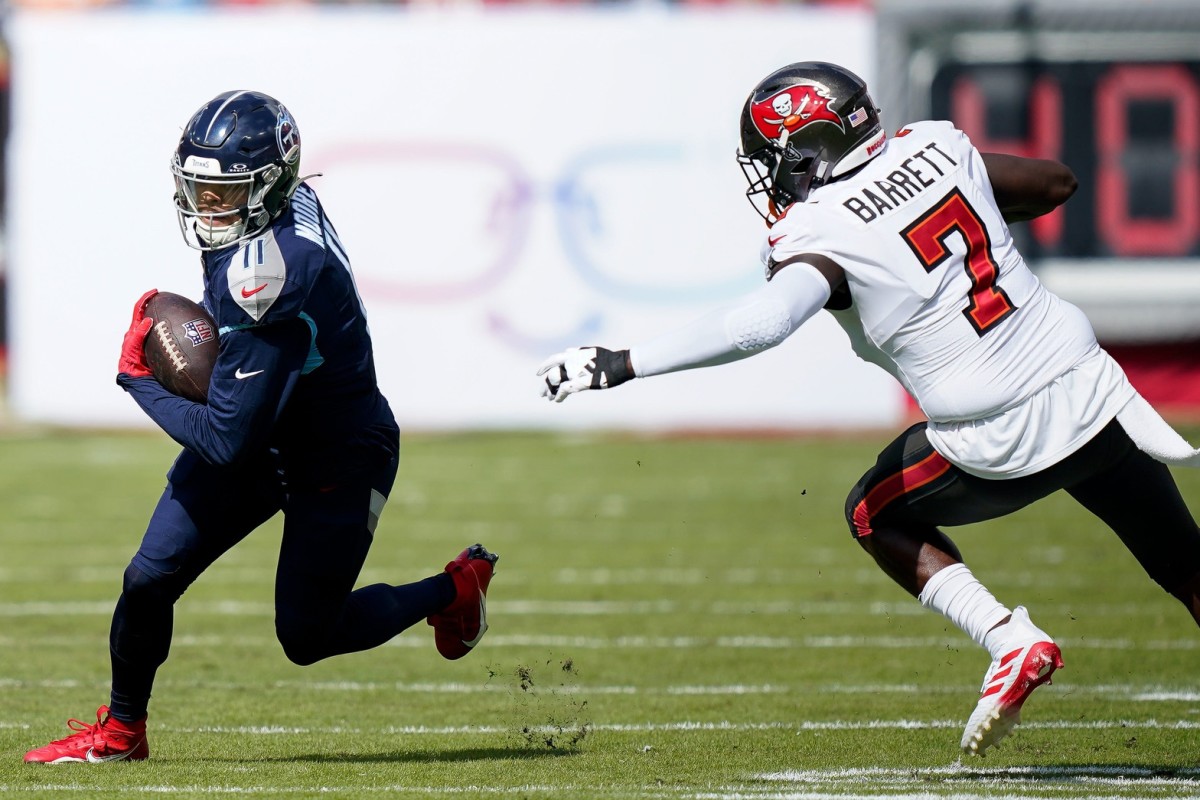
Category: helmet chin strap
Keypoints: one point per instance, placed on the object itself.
(217, 235)
(783, 140)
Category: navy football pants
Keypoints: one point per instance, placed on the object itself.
(206, 510)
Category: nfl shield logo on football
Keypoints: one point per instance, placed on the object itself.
(198, 331)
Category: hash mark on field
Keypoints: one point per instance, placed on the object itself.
(891, 782)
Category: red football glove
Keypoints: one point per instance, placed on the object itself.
(133, 352)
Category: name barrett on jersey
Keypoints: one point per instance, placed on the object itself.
(900, 185)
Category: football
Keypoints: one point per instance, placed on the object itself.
(181, 347)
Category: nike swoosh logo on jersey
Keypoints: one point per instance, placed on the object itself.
(482, 622)
(243, 375)
(95, 759)
(250, 293)
(774, 240)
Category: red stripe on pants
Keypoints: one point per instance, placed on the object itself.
(883, 493)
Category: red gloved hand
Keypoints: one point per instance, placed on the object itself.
(133, 353)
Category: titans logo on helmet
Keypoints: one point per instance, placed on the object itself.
(286, 133)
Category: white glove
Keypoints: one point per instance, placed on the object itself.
(579, 368)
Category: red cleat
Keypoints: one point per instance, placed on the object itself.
(109, 739)
(460, 625)
(1008, 683)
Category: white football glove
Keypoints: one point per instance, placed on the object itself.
(580, 368)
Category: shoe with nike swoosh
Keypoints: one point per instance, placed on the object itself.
(109, 739)
(459, 626)
(1025, 664)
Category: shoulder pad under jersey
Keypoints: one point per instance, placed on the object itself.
(269, 280)
(799, 231)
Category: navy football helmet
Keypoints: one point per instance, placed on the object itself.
(235, 167)
(805, 125)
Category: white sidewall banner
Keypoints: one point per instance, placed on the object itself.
(507, 182)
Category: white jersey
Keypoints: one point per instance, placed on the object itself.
(1010, 376)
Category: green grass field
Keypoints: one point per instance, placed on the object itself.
(669, 619)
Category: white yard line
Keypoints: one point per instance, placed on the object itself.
(655, 727)
(1002, 783)
(271, 791)
(1126, 693)
(587, 608)
(550, 641)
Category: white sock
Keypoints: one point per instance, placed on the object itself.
(957, 595)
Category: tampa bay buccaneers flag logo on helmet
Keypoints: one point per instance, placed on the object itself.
(792, 108)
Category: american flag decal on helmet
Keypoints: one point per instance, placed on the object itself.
(858, 117)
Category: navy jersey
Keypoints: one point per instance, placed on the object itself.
(296, 370)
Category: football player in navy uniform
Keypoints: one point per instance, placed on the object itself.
(294, 422)
(905, 241)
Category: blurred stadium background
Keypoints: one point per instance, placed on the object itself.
(513, 177)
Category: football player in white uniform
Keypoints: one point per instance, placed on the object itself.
(905, 240)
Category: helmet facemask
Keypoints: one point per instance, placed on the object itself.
(779, 175)
(216, 211)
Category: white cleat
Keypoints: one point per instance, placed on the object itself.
(1008, 683)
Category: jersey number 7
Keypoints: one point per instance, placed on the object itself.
(987, 303)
